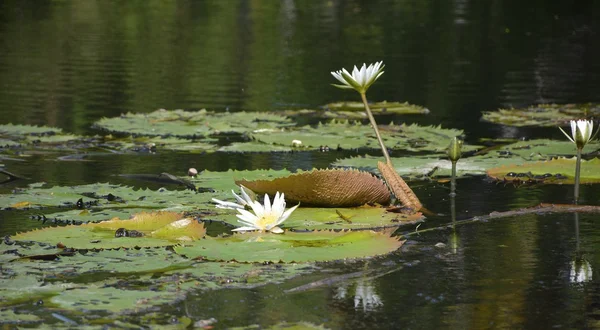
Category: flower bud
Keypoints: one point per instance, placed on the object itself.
(454, 149)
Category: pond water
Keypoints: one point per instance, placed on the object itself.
(69, 63)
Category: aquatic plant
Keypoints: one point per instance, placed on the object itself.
(581, 131)
(361, 80)
(454, 152)
(266, 217)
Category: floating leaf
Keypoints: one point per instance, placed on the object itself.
(312, 218)
(542, 149)
(10, 317)
(254, 146)
(347, 135)
(21, 130)
(151, 230)
(292, 247)
(561, 170)
(325, 188)
(356, 110)
(191, 124)
(384, 107)
(419, 167)
(543, 114)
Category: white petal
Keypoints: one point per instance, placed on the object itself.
(574, 129)
(244, 229)
(245, 195)
(287, 214)
(276, 230)
(267, 204)
(226, 205)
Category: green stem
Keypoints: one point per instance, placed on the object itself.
(577, 175)
(453, 180)
(374, 124)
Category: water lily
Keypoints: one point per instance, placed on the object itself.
(244, 200)
(360, 80)
(265, 217)
(581, 132)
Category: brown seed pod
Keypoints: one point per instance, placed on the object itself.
(325, 188)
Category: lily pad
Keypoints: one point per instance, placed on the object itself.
(151, 230)
(542, 149)
(419, 167)
(292, 247)
(191, 124)
(383, 107)
(555, 171)
(313, 218)
(545, 115)
(10, 317)
(356, 110)
(352, 135)
(331, 188)
(254, 146)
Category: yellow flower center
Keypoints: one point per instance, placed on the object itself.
(266, 220)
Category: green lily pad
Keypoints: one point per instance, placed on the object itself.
(419, 167)
(10, 317)
(542, 149)
(191, 124)
(23, 130)
(545, 115)
(101, 195)
(384, 107)
(356, 110)
(314, 218)
(555, 171)
(158, 143)
(254, 146)
(158, 229)
(347, 135)
(292, 247)
(116, 300)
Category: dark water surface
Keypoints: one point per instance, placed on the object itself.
(70, 63)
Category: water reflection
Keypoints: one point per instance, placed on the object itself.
(580, 269)
(364, 294)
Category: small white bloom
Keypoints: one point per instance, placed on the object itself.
(581, 132)
(581, 271)
(243, 201)
(360, 80)
(296, 143)
(266, 217)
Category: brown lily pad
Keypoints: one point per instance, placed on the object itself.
(325, 188)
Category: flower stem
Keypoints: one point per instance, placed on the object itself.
(577, 175)
(453, 180)
(374, 124)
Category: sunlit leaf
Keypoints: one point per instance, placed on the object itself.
(556, 171)
(325, 188)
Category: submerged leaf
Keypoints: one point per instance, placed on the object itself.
(292, 247)
(329, 188)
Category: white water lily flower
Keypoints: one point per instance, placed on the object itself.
(243, 201)
(266, 217)
(581, 132)
(360, 80)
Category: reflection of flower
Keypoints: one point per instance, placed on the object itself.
(360, 80)
(265, 217)
(581, 271)
(581, 132)
(365, 295)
